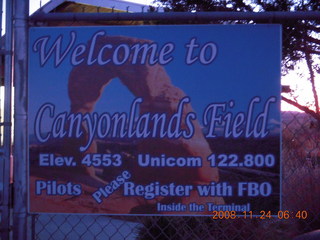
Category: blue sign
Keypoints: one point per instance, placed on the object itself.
(159, 120)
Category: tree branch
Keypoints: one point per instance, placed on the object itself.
(312, 80)
(313, 40)
(310, 51)
(313, 52)
(314, 28)
(303, 108)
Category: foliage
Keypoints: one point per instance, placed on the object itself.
(301, 39)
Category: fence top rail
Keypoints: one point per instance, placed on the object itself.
(178, 16)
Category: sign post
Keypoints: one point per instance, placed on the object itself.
(158, 120)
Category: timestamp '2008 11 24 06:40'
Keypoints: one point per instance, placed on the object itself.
(284, 214)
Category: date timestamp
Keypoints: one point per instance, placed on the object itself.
(284, 214)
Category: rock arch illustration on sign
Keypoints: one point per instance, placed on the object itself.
(154, 86)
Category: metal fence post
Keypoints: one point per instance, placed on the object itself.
(6, 123)
(20, 223)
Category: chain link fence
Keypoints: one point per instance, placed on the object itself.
(301, 191)
(300, 188)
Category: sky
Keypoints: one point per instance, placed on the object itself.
(301, 86)
(35, 4)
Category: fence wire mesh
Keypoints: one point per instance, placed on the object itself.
(301, 175)
(300, 190)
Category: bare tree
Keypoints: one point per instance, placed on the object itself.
(301, 39)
